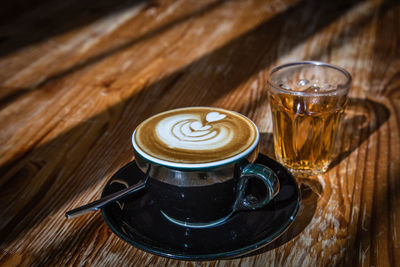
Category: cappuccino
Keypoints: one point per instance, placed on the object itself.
(195, 135)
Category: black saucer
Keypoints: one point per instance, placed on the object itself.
(137, 220)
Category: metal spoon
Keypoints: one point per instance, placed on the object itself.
(95, 205)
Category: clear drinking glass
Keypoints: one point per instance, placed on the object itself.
(307, 101)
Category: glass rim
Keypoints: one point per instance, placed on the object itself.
(344, 87)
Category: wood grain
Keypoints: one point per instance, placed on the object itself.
(77, 78)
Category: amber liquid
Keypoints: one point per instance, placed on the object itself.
(305, 130)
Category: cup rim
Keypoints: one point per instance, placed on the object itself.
(343, 88)
(170, 164)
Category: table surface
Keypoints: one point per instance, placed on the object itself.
(76, 78)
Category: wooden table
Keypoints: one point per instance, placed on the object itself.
(76, 78)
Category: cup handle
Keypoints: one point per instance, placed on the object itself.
(264, 174)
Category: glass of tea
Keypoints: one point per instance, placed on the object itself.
(307, 101)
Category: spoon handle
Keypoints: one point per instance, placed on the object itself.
(95, 205)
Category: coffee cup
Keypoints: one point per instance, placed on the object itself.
(198, 162)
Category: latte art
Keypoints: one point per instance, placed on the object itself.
(195, 135)
(187, 131)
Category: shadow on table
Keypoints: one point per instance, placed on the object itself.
(362, 118)
(23, 23)
(79, 10)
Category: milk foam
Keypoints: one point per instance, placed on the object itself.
(196, 135)
(186, 131)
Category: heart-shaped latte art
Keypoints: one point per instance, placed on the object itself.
(214, 116)
(195, 135)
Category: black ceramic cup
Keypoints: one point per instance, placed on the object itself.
(206, 194)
